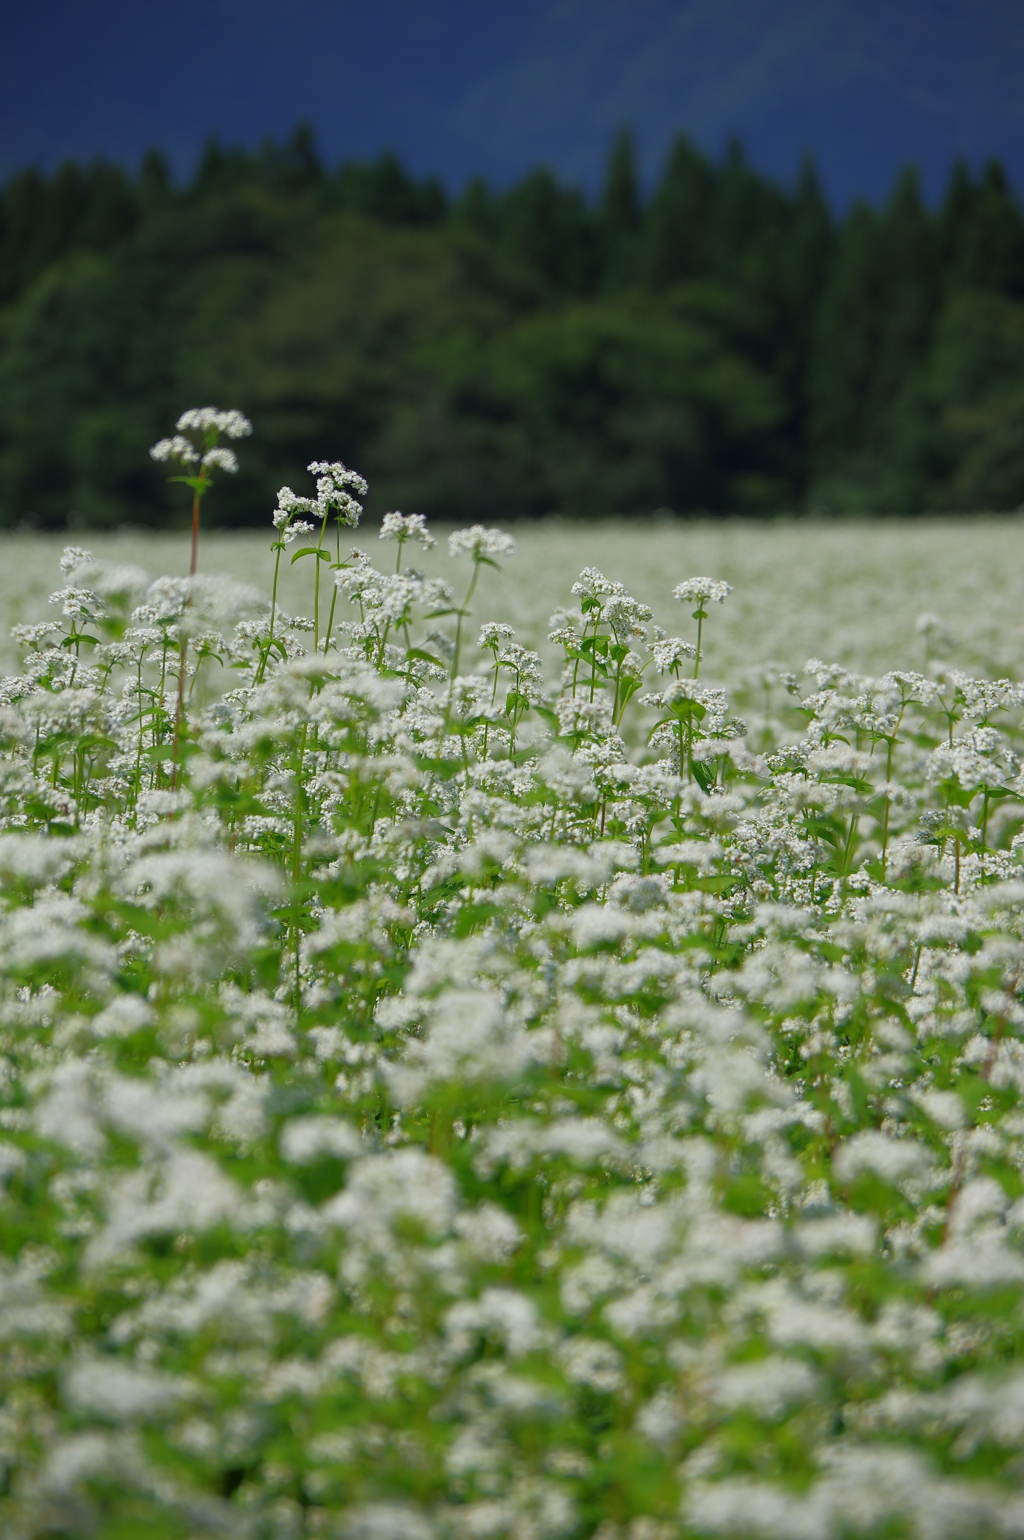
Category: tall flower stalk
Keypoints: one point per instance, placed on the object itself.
(196, 448)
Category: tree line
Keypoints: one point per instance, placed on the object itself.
(716, 343)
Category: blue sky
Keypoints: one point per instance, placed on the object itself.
(464, 86)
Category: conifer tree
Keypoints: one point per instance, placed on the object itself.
(621, 215)
(981, 233)
(154, 181)
(907, 305)
(676, 226)
(872, 333)
(548, 228)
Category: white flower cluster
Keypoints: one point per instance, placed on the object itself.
(207, 424)
(334, 486)
(176, 448)
(482, 542)
(451, 1104)
(207, 419)
(407, 526)
(702, 590)
(670, 652)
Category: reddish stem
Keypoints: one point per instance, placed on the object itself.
(180, 704)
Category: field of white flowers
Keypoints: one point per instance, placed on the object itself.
(850, 590)
(452, 1091)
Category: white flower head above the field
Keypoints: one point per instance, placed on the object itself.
(176, 448)
(289, 504)
(627, 616)
(592, 584)
(494, 634)
(335, 484)
(77, 602)
(207, 419)
(482, 542)
(701, 591)
(407, 526)
(220, 458)
(291, 532)
(671, 652)
(73, 557)
(206, 424)
(334, 481)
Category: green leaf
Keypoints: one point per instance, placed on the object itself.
(312, 550)
(685, 710)
(703, 774)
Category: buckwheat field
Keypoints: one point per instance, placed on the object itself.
(460, 1085)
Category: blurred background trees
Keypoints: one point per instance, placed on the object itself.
(719, 344)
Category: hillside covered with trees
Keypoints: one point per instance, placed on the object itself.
(718, 343)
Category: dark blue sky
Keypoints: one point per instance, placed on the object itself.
(464, 86)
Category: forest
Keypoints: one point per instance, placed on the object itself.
(714, 343)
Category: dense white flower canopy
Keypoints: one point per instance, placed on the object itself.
(442, 1099)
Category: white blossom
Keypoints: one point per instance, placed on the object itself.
(480, 541)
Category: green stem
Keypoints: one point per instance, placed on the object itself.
(464, 610)
(885, 810)
(296, 863)
(917, 964)
(316, 589)
(330, 618)
(334, 596)
(197, 497)
(278, 547)
(494, 697)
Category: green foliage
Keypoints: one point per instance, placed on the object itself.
(721, 344)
